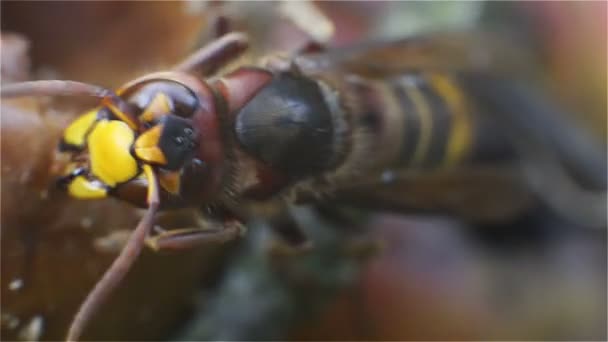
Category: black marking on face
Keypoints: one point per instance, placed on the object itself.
(178, 141)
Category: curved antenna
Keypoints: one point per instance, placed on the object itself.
(121, 265)
(72, 88)
(53, 88)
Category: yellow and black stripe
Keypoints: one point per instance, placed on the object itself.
(437, 125)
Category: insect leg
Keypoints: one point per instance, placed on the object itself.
(179, 239)
(215, 55)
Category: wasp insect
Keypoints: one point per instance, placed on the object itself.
(394, 123)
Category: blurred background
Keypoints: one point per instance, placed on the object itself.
(372, 275)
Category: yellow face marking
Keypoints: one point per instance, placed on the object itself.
(109, 151)
(153, 191)
(76, 132)
(460, 138)
(82, 188)
(426, 125)
(146, 146)
(151, 155)
(170, 181)
(158, 107)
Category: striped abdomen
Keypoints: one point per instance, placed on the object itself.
(418, 120)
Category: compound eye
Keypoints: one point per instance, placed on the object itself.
(180, 99)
